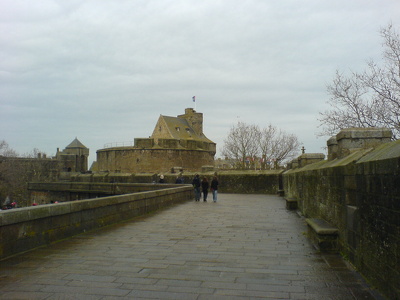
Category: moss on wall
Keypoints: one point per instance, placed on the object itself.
(360, 195)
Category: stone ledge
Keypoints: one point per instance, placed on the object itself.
(26, 228)
(323, 235)
(322, 227)
(291, 203)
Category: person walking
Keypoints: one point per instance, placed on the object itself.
(196, 185)
(204, 186)
(179, 180)
(214, 188)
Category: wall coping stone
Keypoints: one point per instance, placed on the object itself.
(363, 133)
(321, 227)
(19, 215)
(382, 152)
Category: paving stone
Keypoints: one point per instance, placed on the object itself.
(243, 247)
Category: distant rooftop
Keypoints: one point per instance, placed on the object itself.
(76, 144)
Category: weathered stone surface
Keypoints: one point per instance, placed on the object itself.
(323, 235)
(310, 158)
(291, 204)
(359, 195)
(242, 247)
(30, 227)
(332, 148)
(357, 138)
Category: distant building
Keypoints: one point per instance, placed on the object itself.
(176, 143)
(74, 158)
(17, 171)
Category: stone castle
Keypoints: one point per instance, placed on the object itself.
(177, 143)
(74, 158)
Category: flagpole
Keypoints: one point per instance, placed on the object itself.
(194, 100)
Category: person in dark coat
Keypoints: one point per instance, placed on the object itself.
(204, 187)
(196, 185)
(179, 180)
(214, 188)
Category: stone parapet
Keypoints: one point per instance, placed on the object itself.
(310, 158)
(30, 227)
(359, 196)
(352, 139)
(332, 148)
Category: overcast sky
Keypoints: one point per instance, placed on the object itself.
(103, 71)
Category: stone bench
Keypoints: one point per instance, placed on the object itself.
(291, 203)
(323, 235)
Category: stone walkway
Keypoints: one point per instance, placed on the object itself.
(242, 247)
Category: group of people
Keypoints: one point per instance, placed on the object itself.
(8, 204)
(202, 187)
(179, 179)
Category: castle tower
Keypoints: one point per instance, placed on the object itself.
(74, 158)
(194, 119)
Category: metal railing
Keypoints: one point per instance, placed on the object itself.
(119, 144)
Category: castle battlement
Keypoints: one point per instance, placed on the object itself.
(176, 141)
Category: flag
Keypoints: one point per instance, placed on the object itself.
(194, 98)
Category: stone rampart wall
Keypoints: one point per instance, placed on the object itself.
(49, 192)
(250, 182)
(360, 195)
(30, 227)
(244, 182)
(135, 160)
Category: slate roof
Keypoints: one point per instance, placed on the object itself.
(76, 144)
(179, 128)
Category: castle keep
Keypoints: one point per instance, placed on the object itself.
(176, 142)
(74, 158)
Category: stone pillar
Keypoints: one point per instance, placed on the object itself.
(353, 139)
(310, 158)
(332, 148)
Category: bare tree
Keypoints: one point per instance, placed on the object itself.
(277, 146)
(370, 98)
(6, 151)
(285, 147)
(16, 171)
(250, 142)
(266, 144)
(241, 142)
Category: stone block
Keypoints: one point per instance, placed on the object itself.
(291, 203)
(144, 143)
(323, 235)
(358, 138)
(310, 158)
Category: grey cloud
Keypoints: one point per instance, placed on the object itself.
(104, 71)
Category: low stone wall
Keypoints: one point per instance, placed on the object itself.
(360, 195)
(50, 192)
(243, 182)
(254, 182)
(30, 227)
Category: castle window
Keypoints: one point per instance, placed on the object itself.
(177, 129)
(159, 128)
